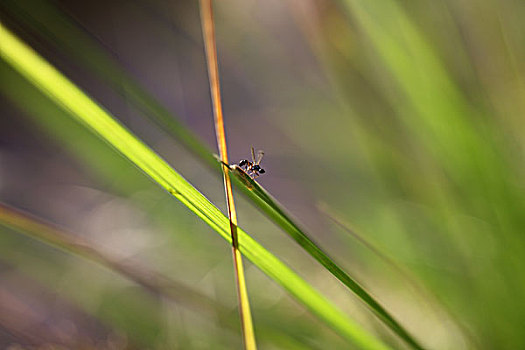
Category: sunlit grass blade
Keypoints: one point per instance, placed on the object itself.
(88, 113)
(159, 285)
(208, 31)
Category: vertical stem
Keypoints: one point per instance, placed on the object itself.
(208, 30)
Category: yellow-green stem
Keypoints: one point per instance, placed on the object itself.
(208, 31)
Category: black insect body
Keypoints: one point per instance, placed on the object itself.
(253, 169)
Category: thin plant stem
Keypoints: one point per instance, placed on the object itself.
(72, 243)
(208, 31)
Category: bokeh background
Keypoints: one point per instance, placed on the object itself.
(402, 120)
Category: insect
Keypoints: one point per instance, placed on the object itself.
(253, 169)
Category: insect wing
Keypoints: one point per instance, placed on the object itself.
(260, 155)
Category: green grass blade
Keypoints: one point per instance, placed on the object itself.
(159, 285)
(274, 210)
(63, 92)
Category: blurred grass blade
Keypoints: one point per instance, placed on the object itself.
(208, 32)
(274, 210)
(74, 244)
(63, 92)
(434, 109)
(340, 222)
(428, 296)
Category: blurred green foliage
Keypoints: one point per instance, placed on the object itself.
(89, 114)
(405, 117)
